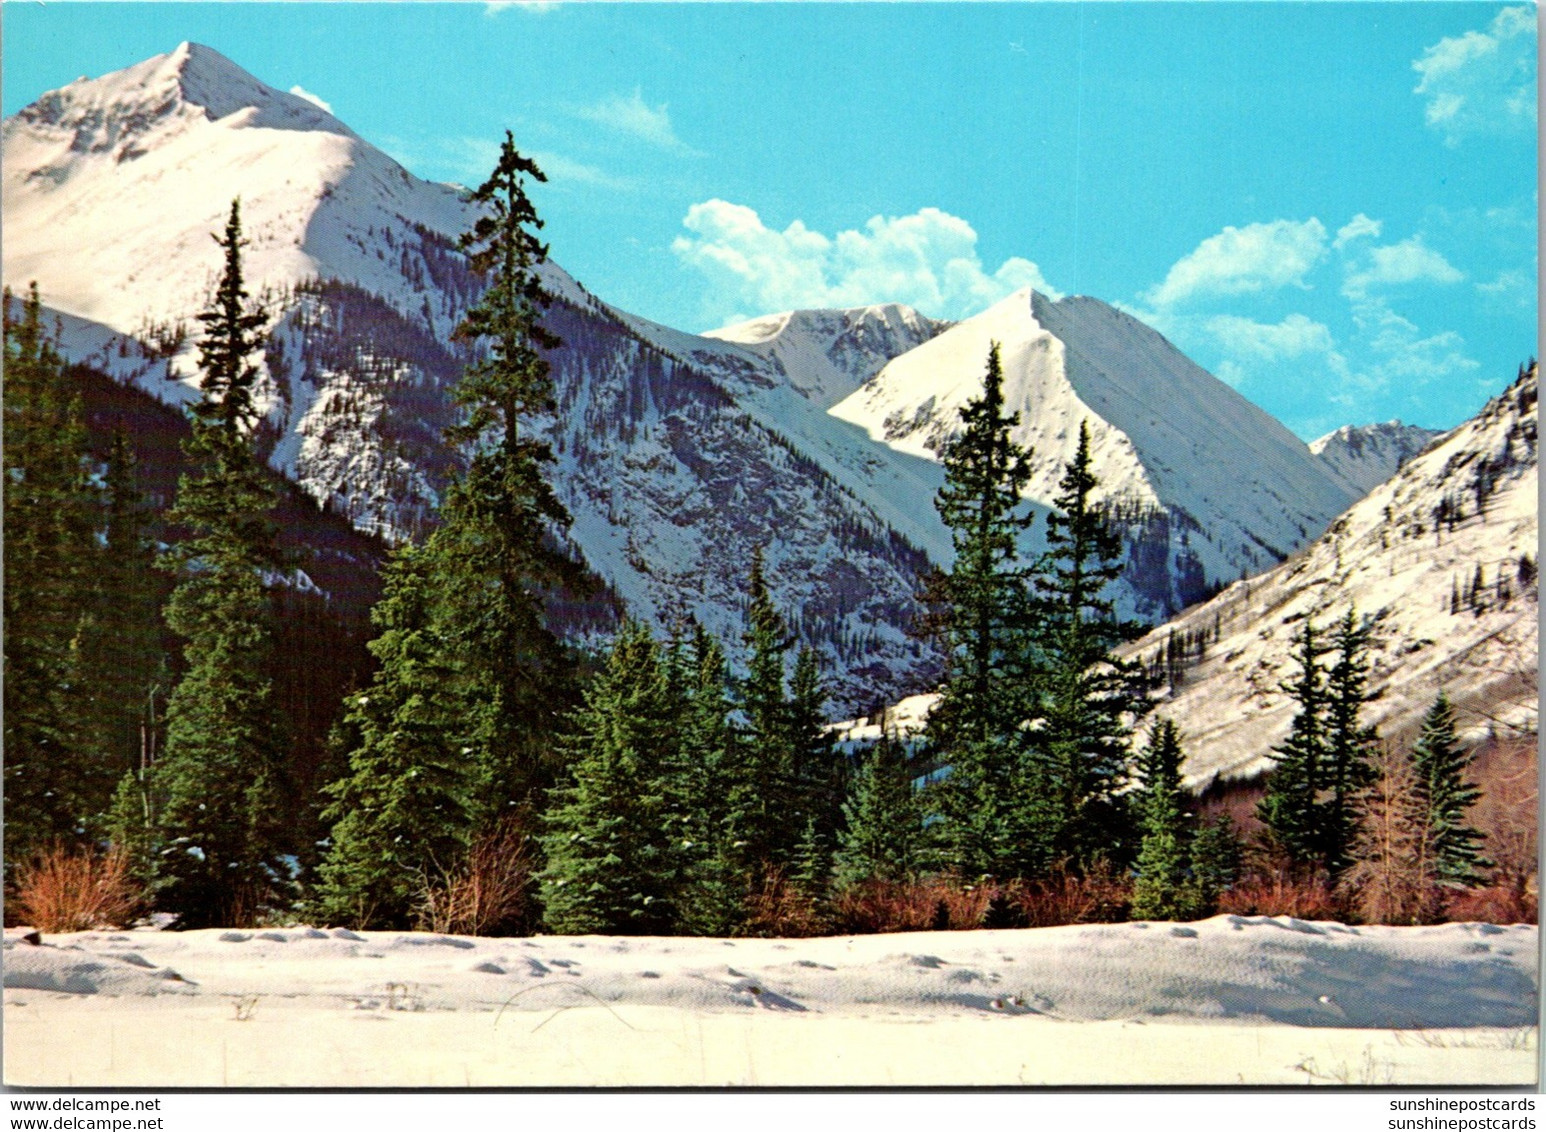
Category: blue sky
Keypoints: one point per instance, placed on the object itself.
(1330, 206)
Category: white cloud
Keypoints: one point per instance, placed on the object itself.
(1357, 228)
(1257, 257)
(1482, 82)
(1399, 352)
(558, 168)
(535, 7)
(633, 116)
(1410, 261)
(927, 260)
(1296, 335)
(301, 92)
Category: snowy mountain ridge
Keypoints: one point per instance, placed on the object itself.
(1368, 455)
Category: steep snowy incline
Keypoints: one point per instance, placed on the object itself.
(1224, 487)
(1368, 455)
(1408, 556)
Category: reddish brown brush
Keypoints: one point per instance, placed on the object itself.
(1496, 904)
(940, 904)
(488, 894)
(777, 909)
(1099, 896)
(67, 890)
(1279, 895)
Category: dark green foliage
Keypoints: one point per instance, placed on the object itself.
(981, 609)
(52, 790)
(883, 837)
(1084, 695)
(219, 780)
(1217, 853)
(1440, 764)
(1349, 745)
(1290, 808)
(493, 557)
(403, 812)
(1161, 891)
(1308, 808)
(614, 846)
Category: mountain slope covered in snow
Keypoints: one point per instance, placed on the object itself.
(1368, 455)
(1409, 556)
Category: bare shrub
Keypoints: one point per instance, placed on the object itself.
(487, 894)
(1098, 896)
(1393, 876)
(1495, 904)
(1282, 894)
(67, 890)
(778, 909)
(1506, 816)
(938, 904)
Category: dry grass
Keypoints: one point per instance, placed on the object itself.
(777, 909)
(1496, 904)
(67, 890)
(939, 904)
(488, 894)
(1099, 896)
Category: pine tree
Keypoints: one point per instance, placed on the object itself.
(1085, 695)
(883, 835)
(51, 791)
(120, 659)
(1160, 892)
(981, 610)
(1290, 809)
(493, 557)
(772, 790)
(716, 791)
(1349, 744)
(402, 814)
(1439, 765)
(614, 860)
(220, 776)
(1216, 857)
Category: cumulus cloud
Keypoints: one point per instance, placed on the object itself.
(1257, 257)
(301, 92)
(1482, 82)
(927, 260)
(1410, 261)
(1295, 336)
(633, 116)
(1359, 227)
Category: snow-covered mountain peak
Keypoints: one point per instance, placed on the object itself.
(827, 354)
(1368, 455)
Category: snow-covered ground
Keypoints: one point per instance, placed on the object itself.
(1229, 1000)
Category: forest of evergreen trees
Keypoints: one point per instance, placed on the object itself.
(474, 773)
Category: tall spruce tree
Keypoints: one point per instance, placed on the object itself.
(981, 610)
(1349, 744)
(771, 791)
(1290, 808)
(51, 790)
(1439, 764)
(1084, 694)
(402, 815)
(493, 557)
(219, 780)
(1161, 891)
(614, 854)
(460, 724)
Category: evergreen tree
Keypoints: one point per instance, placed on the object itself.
(1290, 808)
(494, 557)
(717, 791)
(981, 610)
(1349, 744)
(614, 859)
(1440, 765)
(883, 836)
(120, 659)
(1161, 891)
(1216, 857)
(402, 814)
(771, 792)
(220, 775)
(1085, 695)
(50, 554)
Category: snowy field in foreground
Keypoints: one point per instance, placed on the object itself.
(1227, 1001)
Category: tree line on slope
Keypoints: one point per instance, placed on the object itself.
(485, 774)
